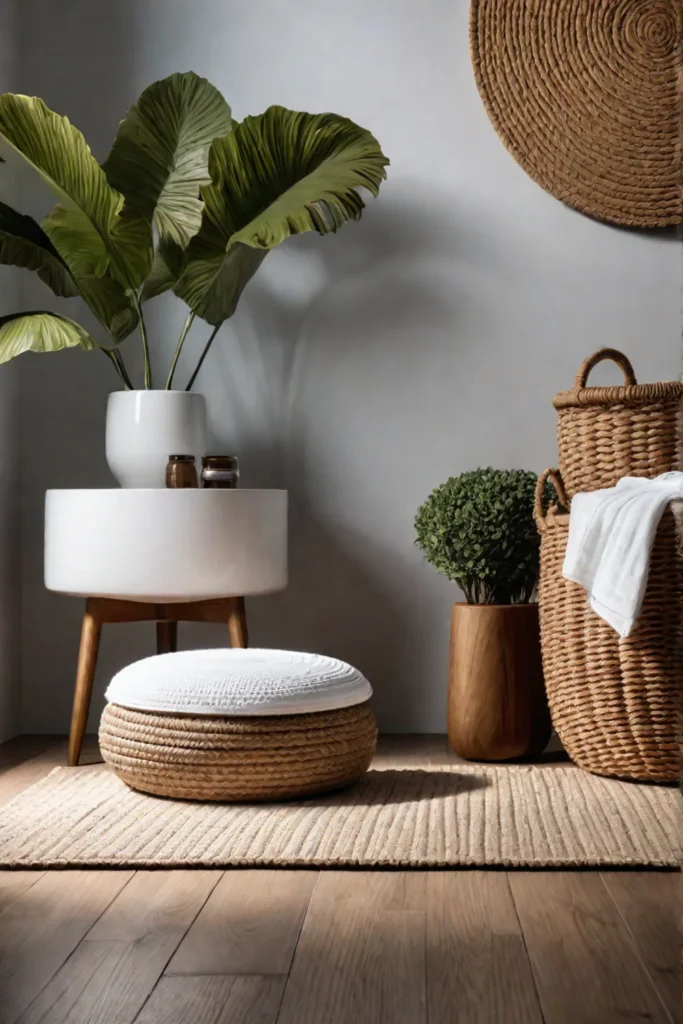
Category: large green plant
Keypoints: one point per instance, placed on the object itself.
(478, 529)
(187, 200)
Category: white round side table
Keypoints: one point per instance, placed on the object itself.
(164, 556)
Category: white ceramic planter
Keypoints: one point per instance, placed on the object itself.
(166, 545)
(145, 427)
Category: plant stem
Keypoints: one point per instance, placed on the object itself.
(183, 335)
(203, 355)
(145, 343)
(119, 365)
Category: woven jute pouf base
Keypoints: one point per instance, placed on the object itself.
(584, 95)
(614, 703)
(238, 759)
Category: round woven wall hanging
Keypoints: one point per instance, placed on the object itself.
(584, 94)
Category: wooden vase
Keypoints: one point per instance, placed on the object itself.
(497, 706)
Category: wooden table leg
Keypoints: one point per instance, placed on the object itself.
(237, 623)
(167, 637)
(99, 610)
(87, 663)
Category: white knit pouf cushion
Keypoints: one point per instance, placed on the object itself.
(236, 682)
(240, 725)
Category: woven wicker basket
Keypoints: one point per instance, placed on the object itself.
(614, 703)
(276, 757)
(606, 433)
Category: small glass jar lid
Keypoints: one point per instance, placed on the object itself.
(224, 462)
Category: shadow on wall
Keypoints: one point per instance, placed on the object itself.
(253, 378)
(351, 594)
(380, 295)
(337, 603)
(63, 396)
(401, 237)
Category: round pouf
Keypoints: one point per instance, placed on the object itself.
(238, 725)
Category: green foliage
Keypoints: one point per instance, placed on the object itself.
(23, 243)
(160, 158)
(187, 200)
(39, 332)
(86, 227)
(478, 529)
(280, 174)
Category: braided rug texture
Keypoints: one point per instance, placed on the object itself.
(584, 94)
(513, 816)
(250, 758)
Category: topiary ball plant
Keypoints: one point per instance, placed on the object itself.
(478, 529)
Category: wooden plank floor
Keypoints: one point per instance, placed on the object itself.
(331, 947)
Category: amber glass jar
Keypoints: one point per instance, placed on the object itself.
(181, 471)
(220, 471)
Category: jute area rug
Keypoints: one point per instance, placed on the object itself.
(515, 816)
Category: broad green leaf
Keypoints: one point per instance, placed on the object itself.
(40, 332)
(161, 154)
(111, 303)
(23, 243)
(215, 278)
(287, 172)
(160, 279)
(73, 234)
(275, 175)
(169, 262)
(87, 228)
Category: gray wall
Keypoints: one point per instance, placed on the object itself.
(363, 369)
(10, 580)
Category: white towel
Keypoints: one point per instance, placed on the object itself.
(611, 533)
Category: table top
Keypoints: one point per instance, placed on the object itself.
(164, 545)
(159, 491)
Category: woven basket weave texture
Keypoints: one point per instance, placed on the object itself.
(238, 759)
(605, 433)
(614, 703)
(585, 95)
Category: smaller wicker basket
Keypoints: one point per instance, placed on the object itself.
(614, 703)
(605, 433)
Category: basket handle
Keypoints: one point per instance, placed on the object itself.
(555, 478)
(622, 361)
